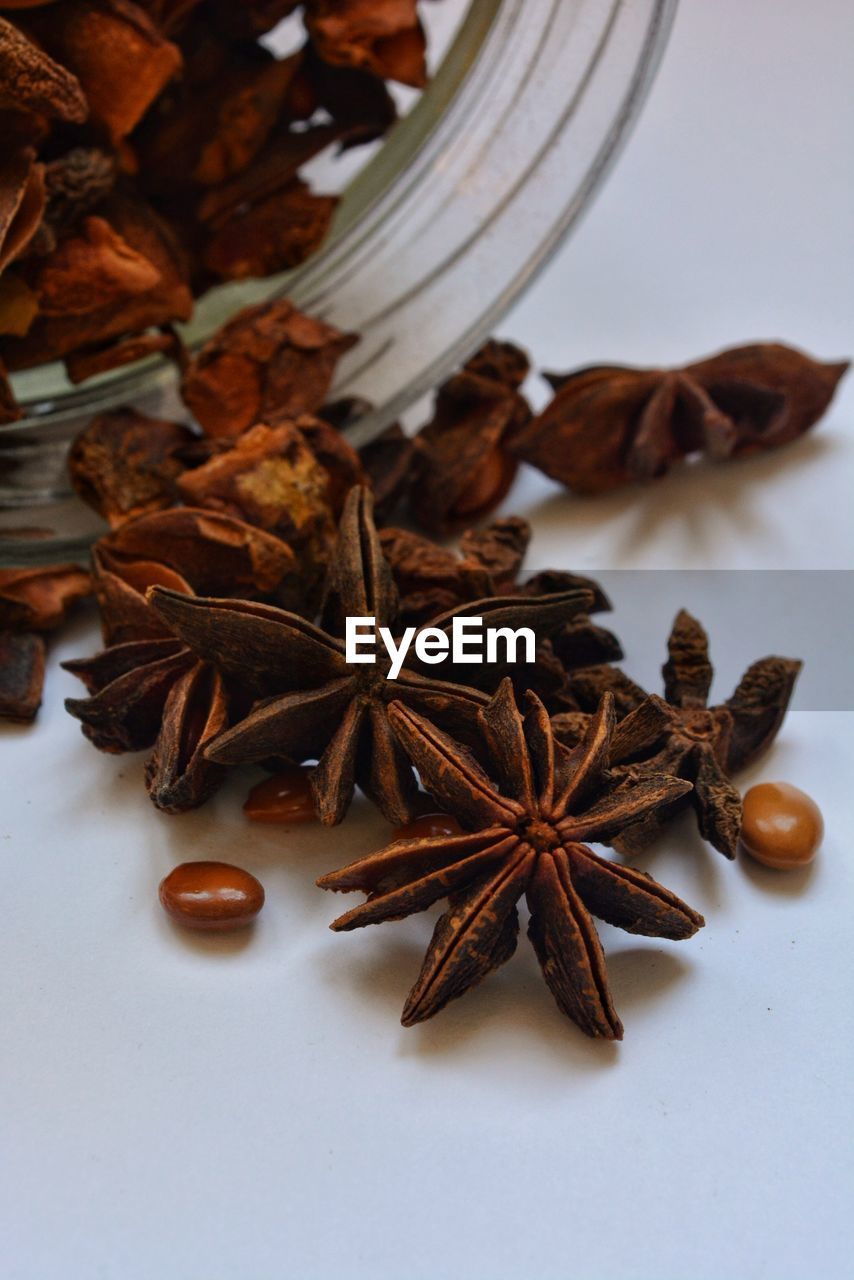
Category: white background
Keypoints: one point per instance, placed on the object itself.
(249, 1107)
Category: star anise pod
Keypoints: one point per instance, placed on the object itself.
(609, 425)
(681, 734)
(318, 707)
(432, 579)
(526, 825)
(147, 689)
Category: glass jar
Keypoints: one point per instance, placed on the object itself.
(434, 238)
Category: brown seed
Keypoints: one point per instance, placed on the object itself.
(286, 798)
(429, 826)
(782, 826)
(211, 896)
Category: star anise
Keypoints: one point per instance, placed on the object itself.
(527, 825)
(147, 689)
(317, 706)
(681, 734)
(610, 425)
(432, 579)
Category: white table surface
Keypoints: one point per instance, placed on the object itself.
(250, 1107)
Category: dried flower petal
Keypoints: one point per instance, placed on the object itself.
(88, 362)
(21, 675)
(380, 36)
(125, 464)
(462, 468)
(22, 201)
(31, 81)
(117, 54)
(38, 599)
(217, 554)
(275, 234)
(267, 360)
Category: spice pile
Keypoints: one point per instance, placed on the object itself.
(239, 546)
(152, 148)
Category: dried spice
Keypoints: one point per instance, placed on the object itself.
(318, 707)
(116, 53)
(462, 468)
(22, 202)
(30, 81)
(216, 553)
(125, 464)
(152, 692)
(75, 183)
(122, 274)
(387, 460)
(272, 478)
(9, 410)
(608, 426)
(89, 361)
(147, 689)
(171, 115)
(22, 658)
(432, 579)
(269, 359)
(32, 601)
(39, 599)
(683, 735)
(274, 234)
(527, 822)
(381, 36)
(18, 305)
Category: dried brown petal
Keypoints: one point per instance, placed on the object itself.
(91, 361)
(31, 81)
(117, 54)
(359, 103)
(462, 469)
(125, 464)
(19, 305)
(380, 36)
(93, 270)
(38, 599)
(217, 554)
(388, 461)
(245, 119)
(9, 410)
(268, 360)
(274, 168)
(22, 201)
(271, 478)
(276, 234)
(21, 675)
(250, 18)
(136, 247)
